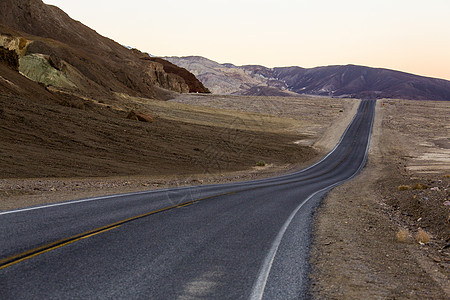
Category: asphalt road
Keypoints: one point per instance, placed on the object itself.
(247, 240)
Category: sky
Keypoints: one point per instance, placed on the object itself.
(406, 35)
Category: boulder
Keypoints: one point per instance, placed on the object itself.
(140, 117)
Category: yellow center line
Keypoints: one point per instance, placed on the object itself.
(9, 261)
(53, 248)
(187, 204)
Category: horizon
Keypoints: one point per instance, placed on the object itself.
(406, 36)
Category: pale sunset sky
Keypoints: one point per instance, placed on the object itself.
(406, 35)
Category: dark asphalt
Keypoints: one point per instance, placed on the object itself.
(246, 240)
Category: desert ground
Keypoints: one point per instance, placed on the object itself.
(54, 153)
(386, 234)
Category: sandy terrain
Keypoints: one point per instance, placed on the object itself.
(304, 115)
(96, 151)
(365, 244)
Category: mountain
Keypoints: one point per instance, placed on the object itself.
(228, 78)
(57, 51)
(336, 81)
(363, 82)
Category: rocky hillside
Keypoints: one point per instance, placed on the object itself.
(57, 51)
(227, 78)
(337, 81)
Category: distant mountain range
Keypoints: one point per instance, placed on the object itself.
(336, 81)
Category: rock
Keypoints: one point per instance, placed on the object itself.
(17, 44)
(436, 259)
(9, 58)
(37, 67)
(55, 62)
(140, 117)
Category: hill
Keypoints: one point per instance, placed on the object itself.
(336, 81)
(58, 51)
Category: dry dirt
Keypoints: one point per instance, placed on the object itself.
(306, 115)
(50, 152)
(364, 242)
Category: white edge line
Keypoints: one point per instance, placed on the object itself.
(78, 201)
(260, 283)
(166, 189)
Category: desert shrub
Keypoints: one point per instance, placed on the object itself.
(422, 237)
(403, 187)
(403, 236)
(261, 163)
(419, 186)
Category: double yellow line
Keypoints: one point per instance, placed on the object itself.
(9, 261)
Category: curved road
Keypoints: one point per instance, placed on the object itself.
(247, 240)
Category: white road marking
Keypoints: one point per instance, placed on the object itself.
(74, 202)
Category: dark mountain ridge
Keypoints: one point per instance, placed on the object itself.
(362, 82)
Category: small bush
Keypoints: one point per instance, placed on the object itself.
(261, 163)
(422, 237)
(403, 236)
(341, 110)
(403, 187)
(419, 186)
(447, 176)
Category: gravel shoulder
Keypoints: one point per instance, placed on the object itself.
(366, 242)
